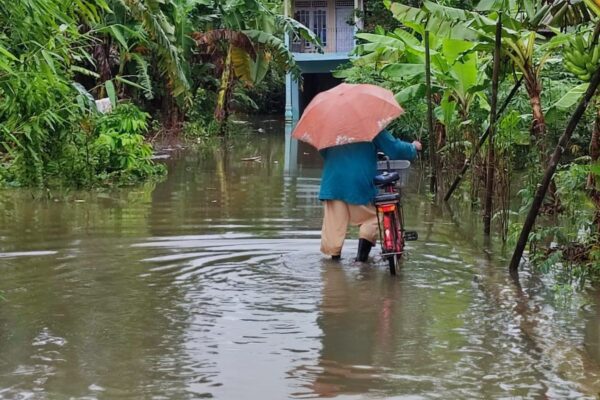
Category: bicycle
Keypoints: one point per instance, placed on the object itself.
(390, 218)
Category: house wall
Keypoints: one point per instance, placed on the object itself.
(317, 77)
(316, 68)
(334, 25)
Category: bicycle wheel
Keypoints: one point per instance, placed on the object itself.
(393, 242)
(399, 233)
(393, 263)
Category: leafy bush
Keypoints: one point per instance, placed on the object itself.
(93, 149)
(200, 129)
(50, 133)
(202, 106)
(119, 149)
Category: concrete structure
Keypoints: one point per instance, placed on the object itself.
(328, 19)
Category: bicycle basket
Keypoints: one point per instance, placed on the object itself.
(402, 167)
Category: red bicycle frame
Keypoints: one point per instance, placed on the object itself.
(391, 227)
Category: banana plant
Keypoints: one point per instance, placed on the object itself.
(527, 49)
(521, 50)
(457, 71)
(140, 44)
(131, 68)
(161, 33)
(582, 55)
(245, 41)
(381, 48)
(594, 6)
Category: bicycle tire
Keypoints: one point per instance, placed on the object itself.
(392, 262)
(398, 245)
(399, 234)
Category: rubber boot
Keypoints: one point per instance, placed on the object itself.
(364, 248)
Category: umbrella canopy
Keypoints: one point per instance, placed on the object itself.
(348, 113)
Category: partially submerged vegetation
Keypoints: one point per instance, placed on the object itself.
(548, 48)
(185, 63)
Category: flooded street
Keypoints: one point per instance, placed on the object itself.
(210, 284)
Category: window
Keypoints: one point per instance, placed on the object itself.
(320, 25)
(312, 14)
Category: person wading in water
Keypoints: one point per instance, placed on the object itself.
(347, 190)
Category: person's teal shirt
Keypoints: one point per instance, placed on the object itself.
(348, 170)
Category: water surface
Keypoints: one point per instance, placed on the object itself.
(210, 285)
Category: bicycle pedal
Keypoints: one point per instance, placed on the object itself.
(411, 235)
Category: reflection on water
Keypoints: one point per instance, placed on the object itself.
(210, 284)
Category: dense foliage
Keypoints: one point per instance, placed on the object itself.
(552, 47)
(49, 124)
(182, 61)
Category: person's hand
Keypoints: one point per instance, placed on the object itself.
(417, 145)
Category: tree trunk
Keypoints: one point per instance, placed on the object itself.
(222, 108)
(440, 134)
(594, 156)
(432, 145)
(101, 53)
(538, 127)
(538, 134)
(172, 115)
(442, 166)
(491, 164)
(469, 161)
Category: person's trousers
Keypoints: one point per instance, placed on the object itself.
(336, 217)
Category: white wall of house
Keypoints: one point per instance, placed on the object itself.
(328, 20)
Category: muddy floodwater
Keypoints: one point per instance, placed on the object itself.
(210, 284)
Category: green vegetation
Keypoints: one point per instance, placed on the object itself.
(552, 46)
(186, 63)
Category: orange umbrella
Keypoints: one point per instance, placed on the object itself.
(347, 113)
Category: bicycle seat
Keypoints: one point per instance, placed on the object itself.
(386, 178)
